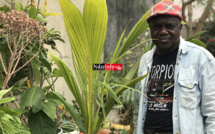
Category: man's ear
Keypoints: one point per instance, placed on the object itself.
(181, 26)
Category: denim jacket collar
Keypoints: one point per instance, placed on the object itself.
(183, 49)
(183, 46)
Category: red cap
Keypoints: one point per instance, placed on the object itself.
(165, 8)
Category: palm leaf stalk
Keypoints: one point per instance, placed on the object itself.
(87, 34)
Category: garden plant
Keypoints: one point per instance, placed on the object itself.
(24, 69)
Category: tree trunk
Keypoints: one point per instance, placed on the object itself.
(119, 13)
(184, 4)
(190, 22)
(204, 16)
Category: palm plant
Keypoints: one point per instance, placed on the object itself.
(87, 35)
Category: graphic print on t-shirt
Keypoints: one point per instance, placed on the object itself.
(160, 87)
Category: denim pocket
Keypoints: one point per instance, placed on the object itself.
(187, 86)
(188, 94)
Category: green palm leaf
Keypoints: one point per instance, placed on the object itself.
(87, 35)
(71, 83)
(195, 35)
(118, 92)
(198, 42)
(95, 20)
(138, 29)
(78, 39)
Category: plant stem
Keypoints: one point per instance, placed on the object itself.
(2, 62)
(38, 4)
(26, 62)
(41, 78)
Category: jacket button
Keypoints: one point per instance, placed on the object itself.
(176, 132)
(176, 115)
(144, 102)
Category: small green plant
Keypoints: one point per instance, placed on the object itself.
(68, 126)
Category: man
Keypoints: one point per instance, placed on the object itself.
(180, 88)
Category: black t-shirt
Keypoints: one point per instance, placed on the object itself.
(160, 92)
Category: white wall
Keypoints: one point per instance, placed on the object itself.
(64, 48)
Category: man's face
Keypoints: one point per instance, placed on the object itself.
(165, 32)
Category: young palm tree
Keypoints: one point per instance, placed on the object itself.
(87, 35)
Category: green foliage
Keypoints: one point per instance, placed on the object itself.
(75, 115)
(18, 6)
(38, 61)
(32, 97)
(36, 65)
(43, 110)
(5, 8)
(1, 81)
(50, 109)
(4, 53)
(40, 123)
(42, 115)
(196, 41)
(5, 100)
(195, 35)
(138, 29)
(32, 12)
(11, 124)
(5, 124)
(209, 37)
(53, 35)
(9, 120)
(68, 126)
(3, 92)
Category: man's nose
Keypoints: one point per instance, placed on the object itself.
(163, 30)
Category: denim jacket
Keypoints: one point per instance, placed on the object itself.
(194, 91)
